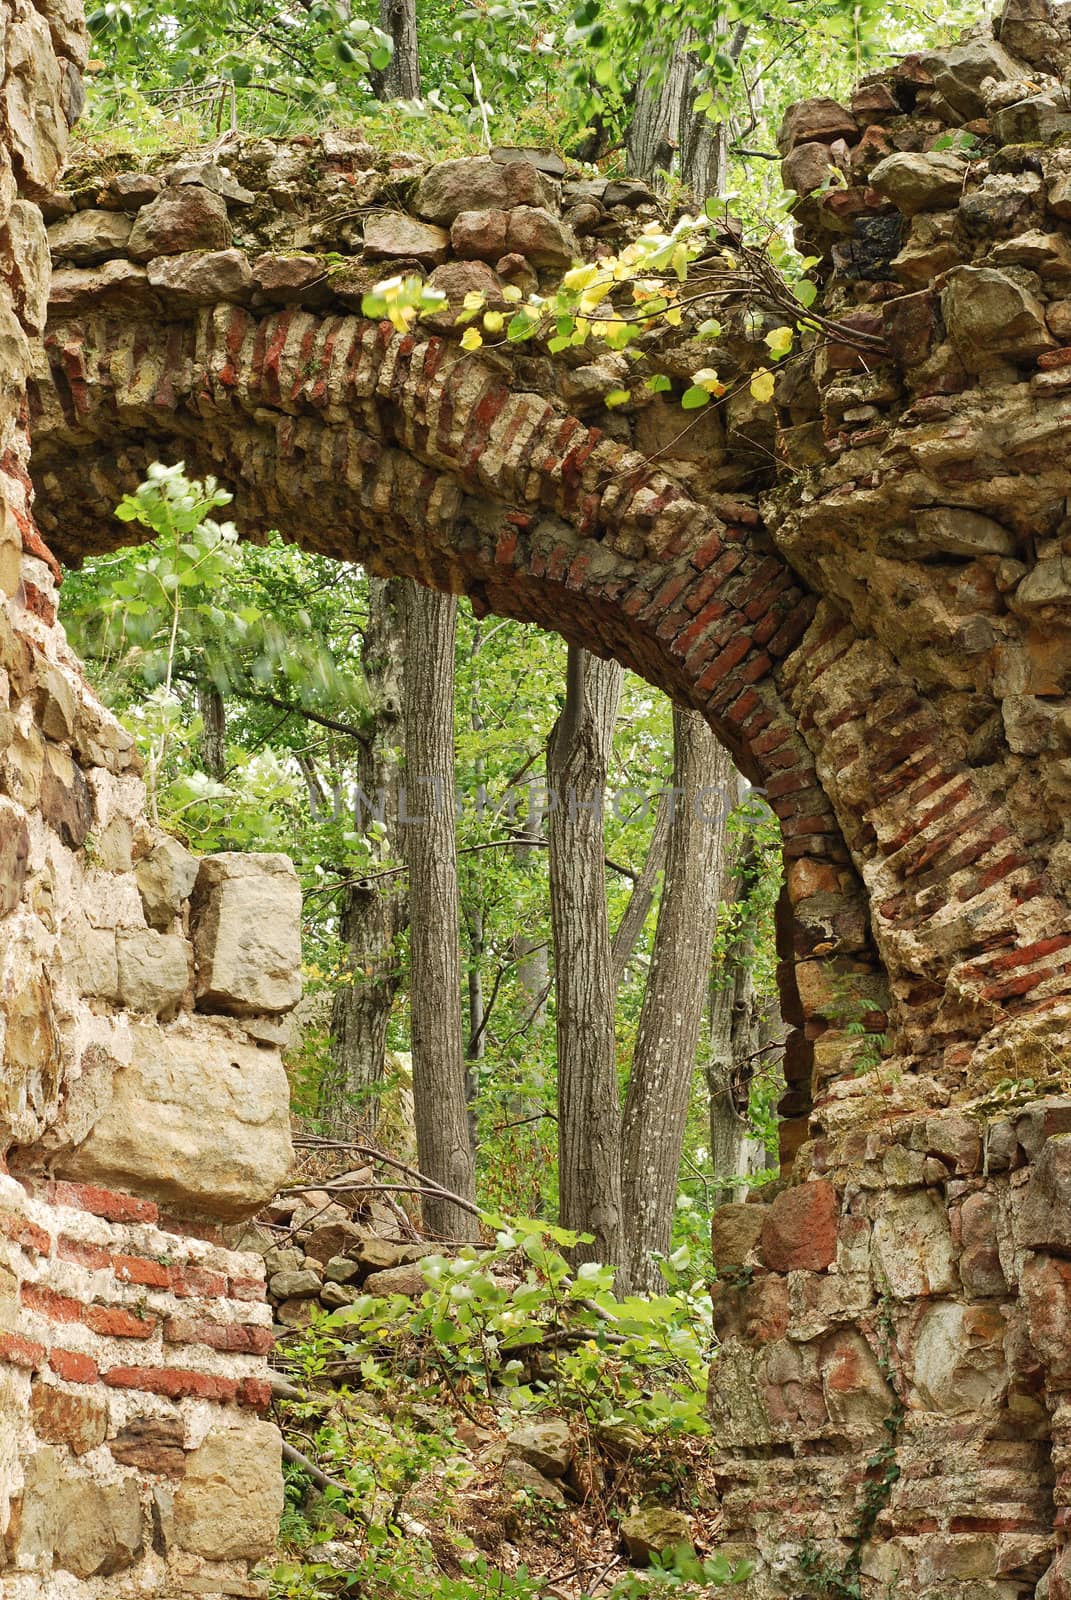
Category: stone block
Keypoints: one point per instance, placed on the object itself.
(390, 234)
(1044, 1221)
(185, 217)
(201, 277)
(75, 1418)
(228, 1505)
(916, 182)
(153, 970)
(990, 316)
(246, 924)
(197, 1121)
(821, 121)
(855, 1392)
(735, 1232)
(166, 877)
(912, 1245)
(959, 1365)
(1045, 1291)
(89, 237)
(477, 183)
(800, 1228)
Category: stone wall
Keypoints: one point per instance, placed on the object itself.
(865, 590)
(142, 1097)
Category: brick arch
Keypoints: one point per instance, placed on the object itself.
(403, 453)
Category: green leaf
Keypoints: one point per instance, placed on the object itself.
(693, 398)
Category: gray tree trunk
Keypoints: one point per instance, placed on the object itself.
(373, 914)
(400, 79)
(589, 1107)
(440, 1082)
(628, 930)
(740, 1024)
(213, 741)
(667, 138)
(663, 1064)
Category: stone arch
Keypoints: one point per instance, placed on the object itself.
(908, 706)
(404, 453)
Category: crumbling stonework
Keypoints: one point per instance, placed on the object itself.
(133, 1117)
(878, 625)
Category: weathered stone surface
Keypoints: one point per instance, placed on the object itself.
(915, 182)
(1044, 1221)
(288, 276)
(654, 1529)
(807, 167)
(990, 316)
(14, 853)
(800, 1228)
(735, 1234)
(117, 285)
(477, 184)
(479, 235)
(951, 530)
(202, 277)
(395, 233)
(856, 1393)
(153, 970)
(815, 121)
(188, 217)
(166, 877)
(231, 1497)
(408, 1280)
(246, 918)
(959, 73)
(89, 237)
(99, 1528)
(132, 190)
(521, 1475)
(1047, 253)
(1032, 120)
(1045, 1291)
(913, 1252)
(548, 1446)
(218, 1111)
(959, 1361)
(300, 1285)
(152, 1444)
(535, 233)
(79, 1419)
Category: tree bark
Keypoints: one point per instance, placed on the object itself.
(440, 1082)
(628, 930)
(213, 741)
(373, 914)
(740, 1024)
(589, 1107)
(400, 79)
(663, 1064)
(666, 137)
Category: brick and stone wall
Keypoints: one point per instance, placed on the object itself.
(142, 1098)
(864, 587)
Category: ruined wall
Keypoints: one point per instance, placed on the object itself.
(142, 1097)
(865, 590)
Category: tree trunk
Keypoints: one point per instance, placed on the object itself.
(589, 1107)
(213, 741)
(373, 914)
(444, 1141)
(667, 137)
(740, 1024)
(532, 955)
(400, 79)
(663, 1065)
(628, 930)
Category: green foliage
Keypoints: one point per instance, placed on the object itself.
(682, 1574)
(516, 1323)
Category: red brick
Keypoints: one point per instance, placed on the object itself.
(93, 1256)
(246, 1288)
(254, 1393)
(112, 1322)
(191, 1281)
(103, 1202)
(139, 1269)
(72, 1365)
(174, 1382)
(57, 1307)
(239, 1337)
(19, 1352)
(20, 1231)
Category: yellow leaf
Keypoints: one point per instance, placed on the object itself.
(762, 386)
(511, 292)
(492, 321)
(673, 316)
(780, 341)
(474, 300)
(580, 277)
(471, 339)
